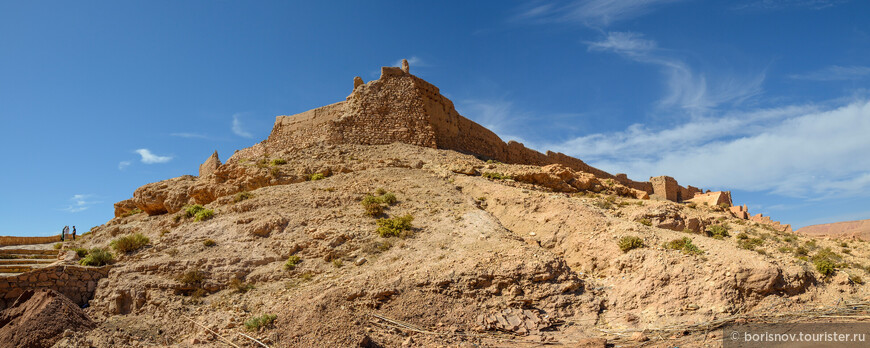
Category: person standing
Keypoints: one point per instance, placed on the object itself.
(74, 233)
(63, 233)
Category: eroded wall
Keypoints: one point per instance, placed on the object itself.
(77, 283)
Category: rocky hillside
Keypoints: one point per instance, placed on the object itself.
(859, 229)
(343, 243)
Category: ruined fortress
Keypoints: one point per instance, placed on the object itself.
(401, 107)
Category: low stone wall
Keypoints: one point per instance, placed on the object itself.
(76, 282)
(7, 241)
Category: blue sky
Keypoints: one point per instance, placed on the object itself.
(769, 99)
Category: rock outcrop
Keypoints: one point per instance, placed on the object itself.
(39, 317)
(167, 196)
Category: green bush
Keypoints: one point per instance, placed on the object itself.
(751, 243)
(718, 231)
(209, 242)
(495, 176)
(292, 261)
(81, 252)
(241, 196)
(57, 246)
(375, 205)
(203, 215)
(630, 242)
(372, 206)
(380, 191)
(96, 257)
(316, 176)
(395, 227)
(742, 236)
(278, 161)
(685, 245)
(645, 222)
(239, 286)
(825, 267)
(192, 278)
(257, 322)
(192, 210)
(128, 243)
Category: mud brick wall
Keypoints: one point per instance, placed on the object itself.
(77, 283)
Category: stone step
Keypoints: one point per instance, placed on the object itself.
(24, 261)
(15, 269)
(26, 257)
(28, 252)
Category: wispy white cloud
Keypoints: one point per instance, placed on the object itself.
(150, 158)
(687, 89)
(588, 12)
(188, 135)
(80, 202)
(237, 127)
(784, 4)
(800, 151)
(835, 73)
(124, 164)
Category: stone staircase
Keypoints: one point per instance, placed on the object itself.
(14, 261)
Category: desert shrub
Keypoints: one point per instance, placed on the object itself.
(854, 278)
(278, 161)
(57, 246)
(495, 176)
(789, 239)
(785, 249)
(630, 242)
(825, 267)
(645, 222)
(388, 198)
(724, 206)
(375, 205)
(208, 242)
(239, 286)
(811, 244)
(844, 245)
(685, 245)
(742, 236)
(130, 242)
(372, 206)
(825, 261)
(718, 231)
(96, 257)
(192, 210)
(750, 244)
(203, 215)
(395, 227)
(337, 263)
(131, 212)
(241, 196)
(81, 252)
(307, 276)
(801, 251)
(291, 262)
(692, 205)
(603, 204)
(192, 278)
(316, 176)
(847, 251)
(257, 322)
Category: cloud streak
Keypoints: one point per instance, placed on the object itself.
(124, 164)
(591, 13)
(237, 127)
(188, 135)
(686, 89)
(835, 73)
(80, 202)
(804, 151)
(150, 158)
